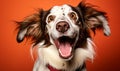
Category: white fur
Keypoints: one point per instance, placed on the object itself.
(61, 13)
(106, 27)
(22, 34)
(49, 55)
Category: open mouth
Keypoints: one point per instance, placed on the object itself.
(65, 46)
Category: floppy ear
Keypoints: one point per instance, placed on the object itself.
(30, 27)
(95, 19)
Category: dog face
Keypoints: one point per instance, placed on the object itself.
(61, 21)
(65, 27)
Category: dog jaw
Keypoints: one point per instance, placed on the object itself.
(51, 56)
(65, 47)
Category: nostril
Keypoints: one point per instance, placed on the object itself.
(58, 26)
(65, 25)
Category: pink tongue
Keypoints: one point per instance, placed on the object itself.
(65, 50)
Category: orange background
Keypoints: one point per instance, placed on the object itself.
(16, 57)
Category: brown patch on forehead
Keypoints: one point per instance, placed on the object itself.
(64, 14)
(62, 8)
(63, 11)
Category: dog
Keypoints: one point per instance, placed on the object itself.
(63, 35)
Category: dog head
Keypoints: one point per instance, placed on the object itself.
(65, 26)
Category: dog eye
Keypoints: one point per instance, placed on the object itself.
(51, 18)
(73, 16)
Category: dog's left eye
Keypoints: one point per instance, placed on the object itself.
(51, 18)
(73, 15)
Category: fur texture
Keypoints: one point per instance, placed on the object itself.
(62, 35)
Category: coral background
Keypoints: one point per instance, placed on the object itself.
(16, 57)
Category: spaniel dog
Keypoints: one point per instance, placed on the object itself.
(63, 35)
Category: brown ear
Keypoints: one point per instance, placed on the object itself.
(30, 27)
(95, 19)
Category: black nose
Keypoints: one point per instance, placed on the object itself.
(62, 26)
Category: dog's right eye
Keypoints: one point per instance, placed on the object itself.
(51, 18)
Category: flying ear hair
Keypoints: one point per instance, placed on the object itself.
(94, 18)
(30, 27)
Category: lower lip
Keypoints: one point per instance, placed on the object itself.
(69, 57)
